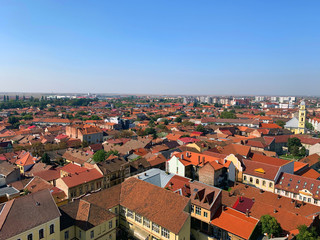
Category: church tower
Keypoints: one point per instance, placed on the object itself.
(302, 118)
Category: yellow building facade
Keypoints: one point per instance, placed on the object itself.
(302, 118)
(258, 182)
(46, 231)
(142, 227)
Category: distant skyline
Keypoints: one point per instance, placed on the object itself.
(161, 47)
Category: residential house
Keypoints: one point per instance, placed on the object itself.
(83, 220)
(314, 149)
(312, 160)
(10, 172)
(299, 188)
(36, 216)
(187, 164)
(90, 134)
(142, 206)
(79, 184)
(114, 170)
(264, 175)
(25, 161)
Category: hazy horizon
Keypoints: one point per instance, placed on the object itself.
(161, 48)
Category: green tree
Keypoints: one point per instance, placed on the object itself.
(94, 117)
(151, 131)
(200, 128)
(309, 126)
(99, 156)
(280, 123)
(13, 119)
(52, 109)
(302, 151)
(294, 145)
(228, 114)
(307, 234)
(151, 123)
(178, 119)
(112, 152)
(270, 226)
(45, 158)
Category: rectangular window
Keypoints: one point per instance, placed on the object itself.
(138, 218)
(198, 210)
(122, 210)
(129, 214)
(41, 234)
(192, 207)
(146, 222)
(66, 235)
(51, 228)
(205, 214)
(165, 233)
(155, 227)
(92, 234)
(110, 224)
(30, 237)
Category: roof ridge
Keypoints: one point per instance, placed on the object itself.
(5, 211)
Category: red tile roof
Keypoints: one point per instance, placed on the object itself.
(26, 159)
(311, 173)
(82, 177)
(270, 160)
(235, 222)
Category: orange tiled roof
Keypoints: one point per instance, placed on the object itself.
(26, 159)
(235, 222)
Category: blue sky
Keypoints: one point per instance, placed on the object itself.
(161, 47)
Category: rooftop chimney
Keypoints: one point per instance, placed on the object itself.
(247, 213)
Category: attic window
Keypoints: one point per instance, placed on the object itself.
(299, 181)
(312, 185)
(290, 180)
(282, 178)
(260, 170)
(297, 186)
(288, 184)
(317, 192)
(280, 182)
(305, 183)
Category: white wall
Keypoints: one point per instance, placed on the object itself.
(174, 164)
